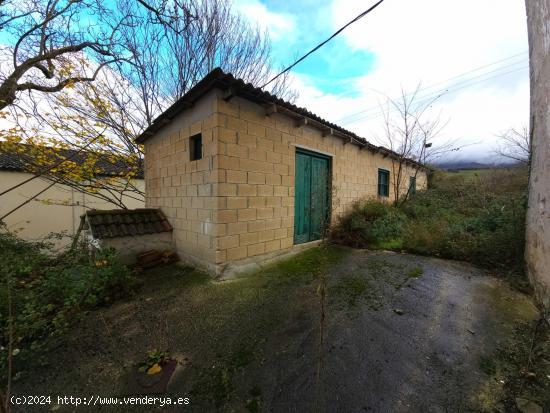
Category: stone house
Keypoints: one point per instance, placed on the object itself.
(244, 177)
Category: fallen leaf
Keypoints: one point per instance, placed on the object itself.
(154, 369)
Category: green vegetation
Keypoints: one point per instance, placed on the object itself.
(415, 272)
(154, 357)
(472, 217)
(374, 284)
(227, 329)
(351, 288)
(370, 223)
(518, 368)
(265, 299)
(46, 291)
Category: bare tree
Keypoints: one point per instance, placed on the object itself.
(515, 144)
(45, 36)
(161, 64)
(409, 133)
(167, 63)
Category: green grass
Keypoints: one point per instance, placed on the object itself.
(374, 284)
(391, 245)
(262, 299)
(415, 272)
(518, 368)
(477, 174)
(352, 288)
(222, 327)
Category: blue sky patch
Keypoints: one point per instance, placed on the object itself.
(331, 69)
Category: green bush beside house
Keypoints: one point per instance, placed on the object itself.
(475, 218)
(45, 291)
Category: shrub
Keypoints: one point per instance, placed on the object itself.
(471, 218)
(476, 216)
(368, 223)
(47, 290)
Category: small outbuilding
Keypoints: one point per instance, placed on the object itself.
(130, 232)
(244, 177)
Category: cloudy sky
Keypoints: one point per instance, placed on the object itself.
(474, 53)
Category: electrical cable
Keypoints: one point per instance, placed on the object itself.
(360, 16)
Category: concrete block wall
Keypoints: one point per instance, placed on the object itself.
(185, 190)
(256, 161)
(237, 202)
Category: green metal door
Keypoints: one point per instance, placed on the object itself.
(312, 196)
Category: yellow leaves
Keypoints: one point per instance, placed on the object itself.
(154, 369)
(101, 263)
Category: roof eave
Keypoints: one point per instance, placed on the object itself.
(218, 79)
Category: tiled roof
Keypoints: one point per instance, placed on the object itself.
(232, 86)
(17, 161)
(126, 222)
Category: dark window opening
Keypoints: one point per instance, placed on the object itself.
(412, 185)
(383, 182)
(195, 147)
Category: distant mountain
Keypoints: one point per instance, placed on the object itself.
(455, 165)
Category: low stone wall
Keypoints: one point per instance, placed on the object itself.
(129, 247)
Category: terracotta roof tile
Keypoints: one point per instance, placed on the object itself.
(123, 223)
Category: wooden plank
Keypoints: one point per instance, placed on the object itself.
(328, 132)
(271, 109)
(301, 122)
(229, 93)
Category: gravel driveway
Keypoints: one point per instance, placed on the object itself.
(402, 334)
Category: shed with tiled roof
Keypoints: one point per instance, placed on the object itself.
(130, 232)
(244, 176)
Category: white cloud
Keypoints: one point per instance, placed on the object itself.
(431, 41)
(277, 24)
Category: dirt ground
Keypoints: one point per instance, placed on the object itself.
(395, 333)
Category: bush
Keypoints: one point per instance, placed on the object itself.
(474, 224)
(369, 223)
(475, 216)
(49, 290)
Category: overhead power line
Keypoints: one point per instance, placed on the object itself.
(437, 94)
(429, 95)
(351, 115)
(360, 16)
